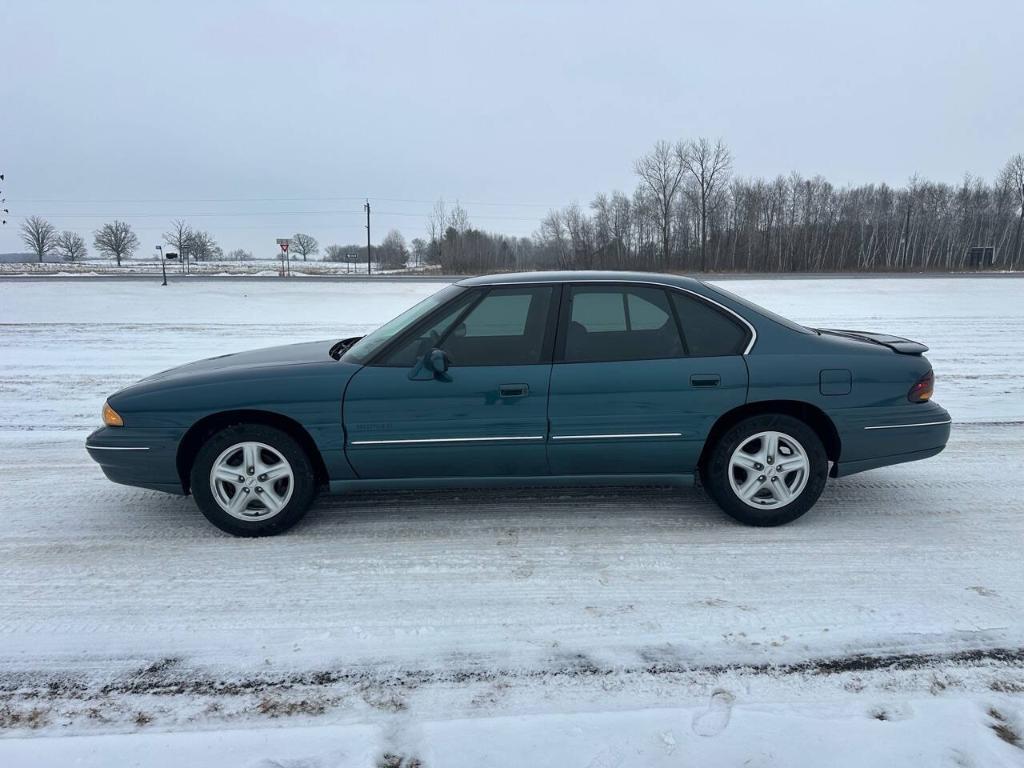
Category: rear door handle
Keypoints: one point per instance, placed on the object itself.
(705, 380)
(514, 390)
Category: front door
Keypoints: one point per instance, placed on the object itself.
(486, 415)
(641, 374)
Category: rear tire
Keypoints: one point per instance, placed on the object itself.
(252, 480)
(767, 470)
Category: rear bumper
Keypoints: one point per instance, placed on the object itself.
(844, 468)
(878, 437)
(145, 458)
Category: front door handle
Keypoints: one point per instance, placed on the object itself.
(514, 390)
(705, 380)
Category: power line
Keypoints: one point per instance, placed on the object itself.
(229, 214)
(326, 198)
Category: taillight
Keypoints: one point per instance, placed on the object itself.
(922, 391)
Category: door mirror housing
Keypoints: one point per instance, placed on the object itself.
(431, 366)
(437, 360)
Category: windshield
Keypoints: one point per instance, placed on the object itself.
(370, 344)
(759, 309)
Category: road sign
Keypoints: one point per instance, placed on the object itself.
(284, 243)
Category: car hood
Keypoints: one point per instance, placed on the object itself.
(288, 354)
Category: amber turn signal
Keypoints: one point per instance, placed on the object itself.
(111, 417)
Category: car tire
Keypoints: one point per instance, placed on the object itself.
(252, 480)
(757, 487)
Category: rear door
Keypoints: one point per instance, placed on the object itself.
(485, 416)
(632, 390)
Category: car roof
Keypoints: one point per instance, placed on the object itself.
(581, 276)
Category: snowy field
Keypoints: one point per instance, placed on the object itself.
(592, 628)
(263, 267)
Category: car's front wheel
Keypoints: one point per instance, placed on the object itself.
(252, 480)
(767, 470)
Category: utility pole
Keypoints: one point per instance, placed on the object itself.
(4, 211)
(366, 207)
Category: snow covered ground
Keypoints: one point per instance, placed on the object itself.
(212, 268)
(592, 628)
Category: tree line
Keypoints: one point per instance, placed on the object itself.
(688, 212)
(117, 240)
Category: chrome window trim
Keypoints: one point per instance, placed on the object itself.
(921, 424)
(628, 281)
(115, 448)
(423, 440)
(613, 437)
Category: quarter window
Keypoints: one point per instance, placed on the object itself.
(608, 323)
(708, 331)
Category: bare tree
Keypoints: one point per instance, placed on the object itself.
(116, 240)
(304, 245)
(458, 218)
(708, 168)
(456, 229)
(70, 245)
(240, 254)
(179, 237)
(39, 235)
(419, 249)
(1012, 179)
(581, 235)
(553, 239)
(392, 252)
(203, 247)
(661, 172)
(437, 222)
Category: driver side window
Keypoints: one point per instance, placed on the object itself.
(508, 326)
(427, 337)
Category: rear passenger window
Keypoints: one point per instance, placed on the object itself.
(708, 331)
(599, 311)
(608, 323)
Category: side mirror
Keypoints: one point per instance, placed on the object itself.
(437, 361)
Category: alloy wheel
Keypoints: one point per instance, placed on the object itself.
(768, 470)
(251, 481)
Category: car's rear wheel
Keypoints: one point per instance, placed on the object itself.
(767, 470)
(252, 480)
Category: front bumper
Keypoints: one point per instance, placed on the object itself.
(145, 458)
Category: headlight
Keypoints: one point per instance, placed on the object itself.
(111, 417)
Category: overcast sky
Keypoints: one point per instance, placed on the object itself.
(249, 112)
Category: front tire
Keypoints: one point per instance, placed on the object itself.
(767, 470)
(252, 480)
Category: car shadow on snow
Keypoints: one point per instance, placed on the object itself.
(877, 495)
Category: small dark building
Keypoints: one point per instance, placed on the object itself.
(981, 257)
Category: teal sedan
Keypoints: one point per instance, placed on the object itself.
(551, 378)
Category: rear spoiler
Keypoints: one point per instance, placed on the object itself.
(895, 343)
